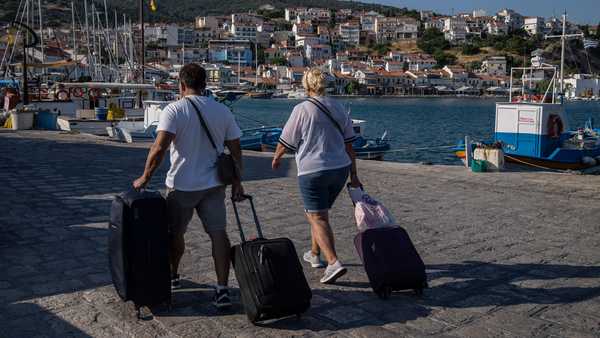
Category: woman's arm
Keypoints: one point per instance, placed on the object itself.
(354, 181)
(279, 152)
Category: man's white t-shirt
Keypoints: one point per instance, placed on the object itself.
(192, 155)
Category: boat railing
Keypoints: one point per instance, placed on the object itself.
(527, 79)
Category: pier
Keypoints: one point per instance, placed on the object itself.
(510, 254)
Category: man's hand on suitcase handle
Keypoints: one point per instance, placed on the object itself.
(237, 192)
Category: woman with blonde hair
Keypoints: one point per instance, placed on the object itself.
(320, 133)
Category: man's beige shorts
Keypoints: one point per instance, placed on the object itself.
(209, 205)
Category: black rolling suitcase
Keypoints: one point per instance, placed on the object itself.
(271, 279)
(391, 261)
(138, 248)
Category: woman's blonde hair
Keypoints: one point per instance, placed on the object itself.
(314, 81)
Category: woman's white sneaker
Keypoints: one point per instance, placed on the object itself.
(314, 260)
(333, 272)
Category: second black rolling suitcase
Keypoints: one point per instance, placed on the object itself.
(271, 279)
(390, 260)
(138, 249)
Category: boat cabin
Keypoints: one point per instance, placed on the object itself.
(530, 129)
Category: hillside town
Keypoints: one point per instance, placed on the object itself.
(363, 52)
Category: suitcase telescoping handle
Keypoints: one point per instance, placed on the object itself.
(239, 223)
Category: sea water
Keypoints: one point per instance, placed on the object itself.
(411, 123)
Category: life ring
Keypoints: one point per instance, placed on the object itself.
(63, 95)
(95, 92)
(516, 99)
(44, 93)
(555, 126)
(77, 92)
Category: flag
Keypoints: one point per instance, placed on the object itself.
(589, 43)
(153, 6)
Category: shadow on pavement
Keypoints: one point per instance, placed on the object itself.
(477, 284)
(37, 322)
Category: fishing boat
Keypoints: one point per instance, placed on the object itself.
(367, 149)
(252, 138)
(533, 130)
(260, 95)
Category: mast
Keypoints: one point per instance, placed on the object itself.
(74, 39)
(256, 63)
(41, 33)
(563, 38)
(562, 53)
(142, 42)
(87, 36)
(116, 44)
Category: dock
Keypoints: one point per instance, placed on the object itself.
(510, 254)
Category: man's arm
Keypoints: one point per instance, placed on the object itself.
(155, 157)
(235, 149)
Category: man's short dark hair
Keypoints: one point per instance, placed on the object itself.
(193, 76)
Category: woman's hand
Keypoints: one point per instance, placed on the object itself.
(276, 163)
(354, 181)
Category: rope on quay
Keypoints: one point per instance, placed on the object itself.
(413, 149)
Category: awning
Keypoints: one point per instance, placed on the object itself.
(107, 85)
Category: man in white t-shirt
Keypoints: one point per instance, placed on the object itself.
(192, 181)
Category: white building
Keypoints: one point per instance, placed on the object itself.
(396, 28)
(455, 29)
(497, 27)
(243, 30)
(367, 21)
(512, 19)
(494, 66)
(349, 33)
(170, 35)
(479, 13)
(582, 85)
(318, 52)
(420, 62)
(534, 25)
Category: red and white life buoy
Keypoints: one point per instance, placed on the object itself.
(77, 92)
(63, 95)
(555, 126)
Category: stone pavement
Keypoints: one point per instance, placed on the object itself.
(508, 255)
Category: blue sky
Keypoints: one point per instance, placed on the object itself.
(581, 11)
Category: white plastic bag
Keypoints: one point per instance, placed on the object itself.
(368, 212)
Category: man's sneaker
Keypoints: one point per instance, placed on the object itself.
(314, 260)
(175, 284)
(333, 272)
(221, 299)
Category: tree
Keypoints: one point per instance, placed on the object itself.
(279, 61)
(469, 49)
(432, 40)
(443, 58)
(351, 88)
(382, 48)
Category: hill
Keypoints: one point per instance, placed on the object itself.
(58, 11)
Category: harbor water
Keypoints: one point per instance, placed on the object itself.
(412, 124)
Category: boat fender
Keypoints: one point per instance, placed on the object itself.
(63, 95)
(555, 126)
(77, 92)
(590, 161)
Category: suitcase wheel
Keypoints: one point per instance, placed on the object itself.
(385, 292)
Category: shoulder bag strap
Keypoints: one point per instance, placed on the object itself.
(203, 124)
(324, 109)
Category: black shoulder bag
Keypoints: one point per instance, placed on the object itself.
(227, 170)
